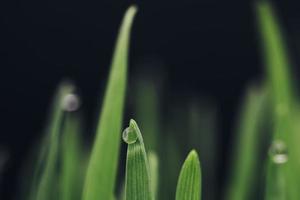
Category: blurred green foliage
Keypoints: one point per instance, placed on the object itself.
(264, 154)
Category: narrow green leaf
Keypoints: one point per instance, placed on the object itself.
(189, 182)
(46, 175)
(72, 170)
(277, 67)
(154, 168)
(276, 183)
(248, 146)
(102, 168)
(282, 92)
(137, 181)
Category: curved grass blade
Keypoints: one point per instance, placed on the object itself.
(137, 181)
(277, 67)
(102, 168)
(282, 91)
(189, 182)
(246, 158)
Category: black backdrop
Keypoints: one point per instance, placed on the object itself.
(207, 47)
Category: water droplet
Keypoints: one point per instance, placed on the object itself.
(71, 102)
(278, 152)
(129, 135)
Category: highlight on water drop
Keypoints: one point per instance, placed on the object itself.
(278, 152)
(71, 102)
(129, 135)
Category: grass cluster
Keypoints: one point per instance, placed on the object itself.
(265, 157)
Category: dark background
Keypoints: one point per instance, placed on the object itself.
(208, 47)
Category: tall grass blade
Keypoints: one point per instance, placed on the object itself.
(276, 183)
(189, 182)
(246, 155)
(46, 179)
(102, 168)
(72, 162)
(282, 92)
(154, 172)
(137, 183)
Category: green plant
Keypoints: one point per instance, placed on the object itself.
(65, 170)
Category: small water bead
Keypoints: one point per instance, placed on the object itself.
(71, 102)
(129, 135)
(278, 152)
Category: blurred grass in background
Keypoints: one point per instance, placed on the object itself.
(265, 154)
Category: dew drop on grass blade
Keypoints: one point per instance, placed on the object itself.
(102, 168)
(137, 180)
(189, 181)
(46, 176)
(281, 91)
(248, 146)
(276, 182)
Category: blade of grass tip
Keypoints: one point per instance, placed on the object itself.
(154, 174)
(277, 66)
(276, 183)
(137, 180)
(47, 181)
(248, 146)
(102, 168)
(282, 91)
(189, 182)
(71, 161)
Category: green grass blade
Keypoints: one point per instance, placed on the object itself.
(154, 174)
(277, 67)
(46, 187)
(248, 147)
(102, 168)
(189, 182)
(276, 183)
(137, 183)
(282, 92)
(72, 172)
